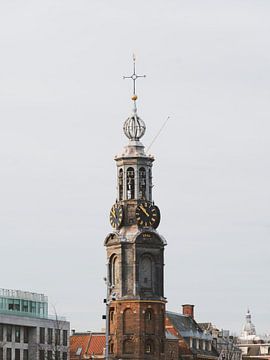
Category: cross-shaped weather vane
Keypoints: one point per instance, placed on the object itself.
(134, 77)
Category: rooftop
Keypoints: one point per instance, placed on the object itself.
(23, 303)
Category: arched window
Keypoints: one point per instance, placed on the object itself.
(149, 322)
(120, 184)
(114, 270)
(111, 347)
(130, 183)
(128, 347)
(162, 347)
(128, 322)
(111, 314)
(148, 315)
(146, 272)
(149, 348)
(142, 183)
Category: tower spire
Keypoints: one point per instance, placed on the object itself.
(134, 78)
(134, 127)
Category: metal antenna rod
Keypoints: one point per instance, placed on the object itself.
(157, 135)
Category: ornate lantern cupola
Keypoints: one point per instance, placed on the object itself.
(134, 175)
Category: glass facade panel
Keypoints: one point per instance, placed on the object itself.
(9, 333)
(42, 335)
(49, 355)
(41, 354)
(25, 354)
(8, 353)
(57, 336)
(1, 332)
(23, 303)
(50, 336)
(17, 354)
(25, 335)
(65, 337)
(1, 353)
(64, 356)
(17, 334)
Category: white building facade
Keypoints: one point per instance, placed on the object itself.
(27, 332)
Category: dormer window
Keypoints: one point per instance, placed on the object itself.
(130, 183)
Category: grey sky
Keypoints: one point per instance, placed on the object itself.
(62, 106)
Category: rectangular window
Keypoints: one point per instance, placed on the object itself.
(25, 335)
(1, 353)
(42, 335)
(25, 306)
(1, 332)
(8, 353)
(41, 354)
(9, 333)
(64, 356)
(17, 305)
(57, 355)
(49, 355)
(17, 334)
(57, 336)
(17, 354)
(33, 307)
(65, 340)
(50, 336)
(25, 354)
(13, 304)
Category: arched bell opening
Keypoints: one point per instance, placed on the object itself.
(121, 184)
(142, 183)
(130, 183)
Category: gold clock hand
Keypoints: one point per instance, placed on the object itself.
(143, 209)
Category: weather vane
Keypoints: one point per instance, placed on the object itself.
(134, 77)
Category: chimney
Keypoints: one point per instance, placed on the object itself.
(73, 331)
(188, 310)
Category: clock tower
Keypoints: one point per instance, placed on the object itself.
(135, 298)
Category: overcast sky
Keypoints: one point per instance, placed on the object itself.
(62, 106)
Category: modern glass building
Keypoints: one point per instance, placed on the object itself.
(23, 303)
(27, 332)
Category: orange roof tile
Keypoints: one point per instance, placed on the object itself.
(97, 344)
(90, 343)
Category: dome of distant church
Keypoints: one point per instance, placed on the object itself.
(248, 330)
(134, 127)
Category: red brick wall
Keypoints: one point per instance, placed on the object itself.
(140, 334)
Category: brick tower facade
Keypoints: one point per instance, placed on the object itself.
(135, 301)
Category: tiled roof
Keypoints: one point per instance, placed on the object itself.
(205, 326)
(97, 344)
(88, 343)
(187, 328)
(170, 336)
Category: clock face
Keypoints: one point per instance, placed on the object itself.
(116, 216)
(157, 217)
(147, 215)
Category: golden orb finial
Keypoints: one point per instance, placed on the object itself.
(134, 97)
